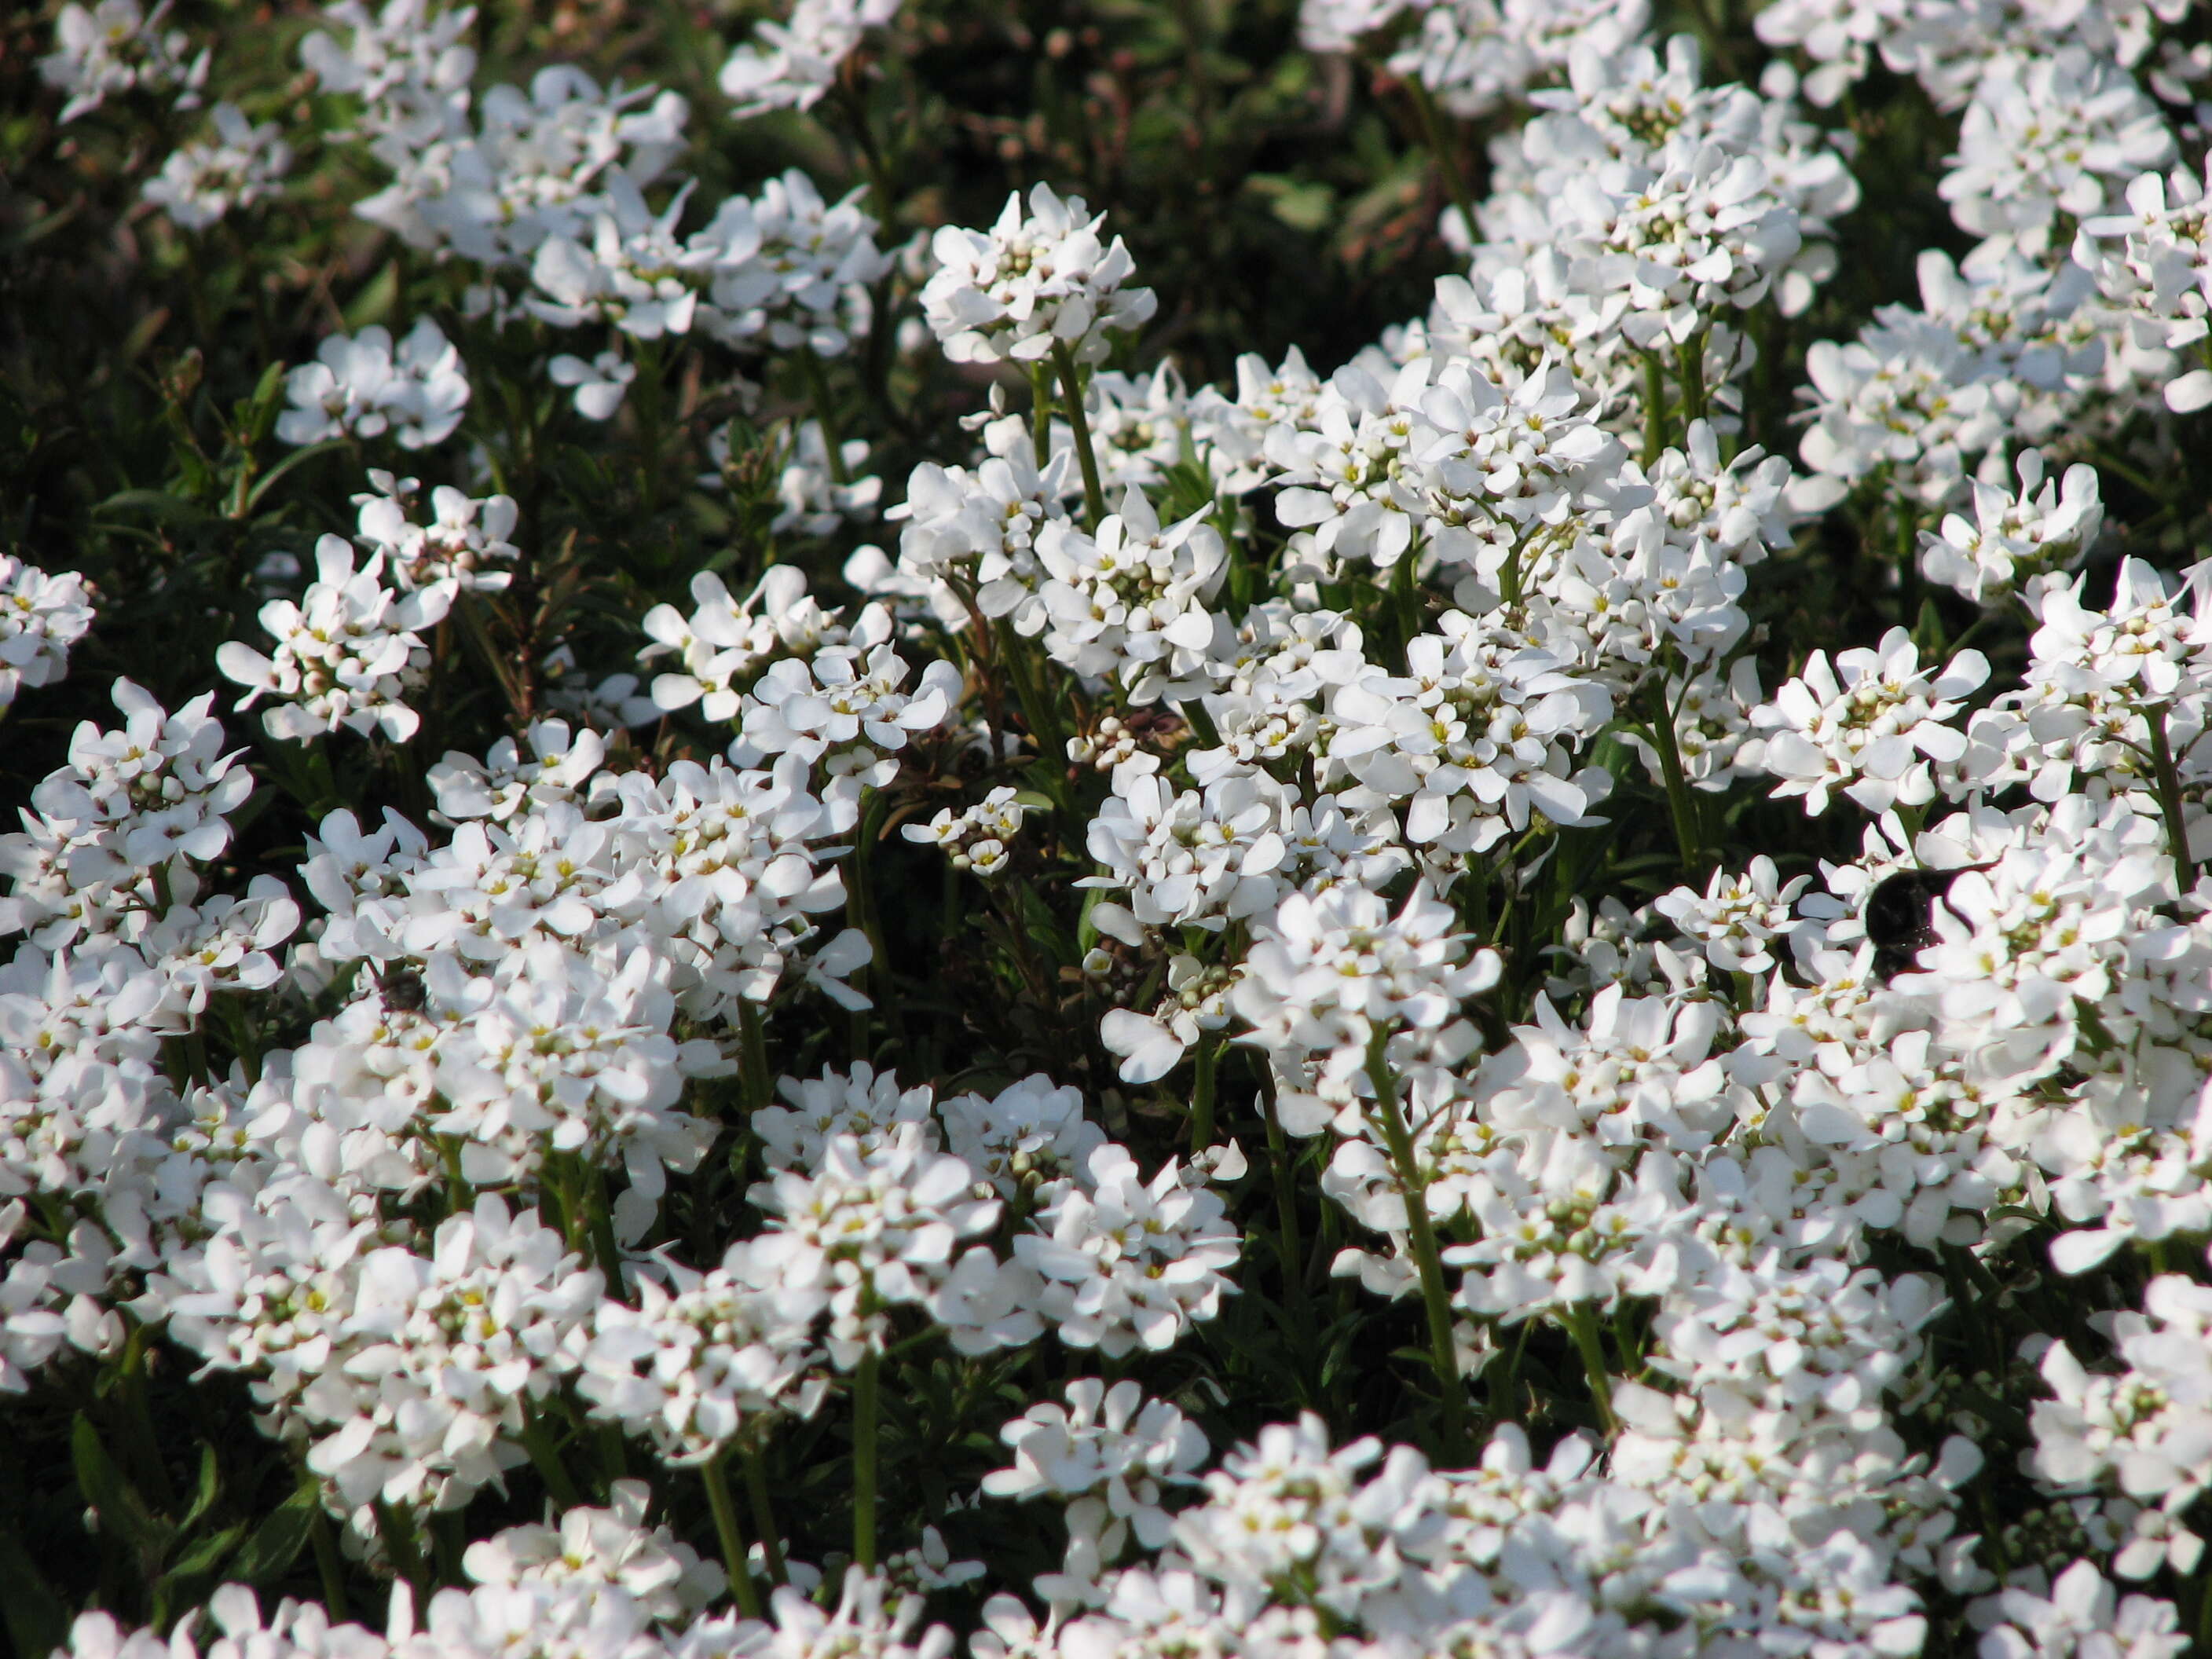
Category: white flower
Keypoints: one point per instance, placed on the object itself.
(1330, 974)
(791, 271)
(41, 615)
(704, 1359)
(631, 271)
(1868, 726)
(599, 1550)
(1032, 282)
(2012, 540)
(360, 385)
(2083, 1617)
(1030, 1137)
(600, 382)
(869, 1228)
(1128, 1263)
(1737, 917)
(1106, 1455)
(347, 654)
(2046, 135)
(201, 182)
(464, 538)
(789, 65)
(867, 1107)
(116, 47)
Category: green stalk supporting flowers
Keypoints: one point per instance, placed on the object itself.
(1436, 1298)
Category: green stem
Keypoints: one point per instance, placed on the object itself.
(1422, 1239)
(1071, 385)
(138, 1418)
(1039, 712)
(1582, 1325)
(1690, 359)
(763, 1515)
(1432, 134)
(1679, 806)
(397, 1532)
(602, 1229)
(733, 1540)
(328, 1567)
(1286, 1212)
(1201, 1096)
(860, 913)
(817, 391)
(759, 1085)
(545, 1458)
(865, 1382)
(613, 1455)
(648, 423)
(1041, 413)
(1655, 411)
(2169, 800)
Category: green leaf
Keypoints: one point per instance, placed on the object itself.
(205, 1557)
(277, 1542)
(122, 1512)
(252, 416)
(161, 503)
(209, 1485)
(374, 302)
(36, 1621)
(253, 496)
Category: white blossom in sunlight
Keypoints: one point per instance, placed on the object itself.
(1038, 281)
(348, 652)
(362, 385)
(41, 616)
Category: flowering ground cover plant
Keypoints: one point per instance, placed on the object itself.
(1332, 830)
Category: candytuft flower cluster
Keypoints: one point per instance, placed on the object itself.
(1376, 830)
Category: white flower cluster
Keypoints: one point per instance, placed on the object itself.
(202, 182)
(411, 1371)
(1039, 281)
(1642, 209)
(347, 653)
(977, 837)
(833, 697)
(361, 385)
(787, 270)
(1952, 45)
(1282, 725)
(2069, 315)
(486, 177)
(2135, 1439)
(1105, 1455)
(113, 47)
(544, 189)
(457, 548)
(2160, 273)
(1475, 54)
(605, 1597)
(790, 65)
(41, 616)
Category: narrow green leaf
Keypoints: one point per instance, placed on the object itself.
(205, 1557)
(160, 502)
(253, 496)
(277, 1542)
(210, 1484)
(122, 1512)
(36, 1621)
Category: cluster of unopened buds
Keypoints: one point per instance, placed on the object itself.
(979, 838)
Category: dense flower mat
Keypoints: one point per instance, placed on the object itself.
(769, 917)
